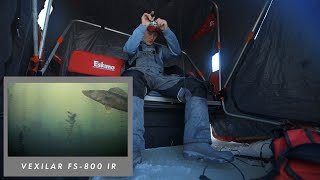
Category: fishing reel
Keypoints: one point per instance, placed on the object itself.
(153, 26)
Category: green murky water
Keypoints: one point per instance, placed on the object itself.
(38, 121)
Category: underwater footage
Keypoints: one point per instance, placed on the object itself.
(68, 119)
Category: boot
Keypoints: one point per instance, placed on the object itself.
(138, 129)
(197, 138)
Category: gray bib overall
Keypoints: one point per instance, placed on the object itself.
(148, 60)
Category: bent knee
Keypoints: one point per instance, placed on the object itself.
(196, 87)
(139, 82)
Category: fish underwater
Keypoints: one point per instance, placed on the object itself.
(113, 98)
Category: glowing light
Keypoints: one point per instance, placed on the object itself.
(215, 62)
(42, 14)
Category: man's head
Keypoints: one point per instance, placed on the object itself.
(151, 33)
(149, 37)
(154, 27)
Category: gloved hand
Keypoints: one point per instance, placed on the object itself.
(146, 19)
(162, 24)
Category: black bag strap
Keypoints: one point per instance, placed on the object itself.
(129, 65)
(291, 173)
(287, 138)
(308, 133)
(307, 152)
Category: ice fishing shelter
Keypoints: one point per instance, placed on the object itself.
(268, 51)
(276, 77)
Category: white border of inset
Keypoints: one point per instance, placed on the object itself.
(13, 165)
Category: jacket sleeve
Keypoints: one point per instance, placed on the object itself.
(173, 50)
(133, 42)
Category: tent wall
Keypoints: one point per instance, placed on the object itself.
(16, 51)
(126, 15)
(90, 39)
(184, 19)
(278, 78)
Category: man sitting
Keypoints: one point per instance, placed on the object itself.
(146, 61)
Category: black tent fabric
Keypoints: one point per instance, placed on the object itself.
(184, 19)
(17, 46)
(90, 39)
(86, 37)
(278, 77)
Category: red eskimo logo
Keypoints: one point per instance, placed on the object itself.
(101, 65)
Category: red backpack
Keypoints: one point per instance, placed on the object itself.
(296, 155)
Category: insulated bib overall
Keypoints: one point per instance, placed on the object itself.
(147, 72)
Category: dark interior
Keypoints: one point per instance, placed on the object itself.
(277, 77)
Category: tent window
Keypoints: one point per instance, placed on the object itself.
(42, 14)
(215, 62)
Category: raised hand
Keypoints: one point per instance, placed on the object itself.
(162, 24)
(146, 19)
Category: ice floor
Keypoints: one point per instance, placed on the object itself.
(168, 163)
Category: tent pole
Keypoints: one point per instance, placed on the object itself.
(35, 31)
(250, 36)
(218, 36)
(194, 66)
(45, 28)
(219, 49)
(263, 19)
(248, 117)
(53, 52)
